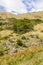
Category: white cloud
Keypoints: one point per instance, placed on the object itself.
(34, 5)
(19, 6)
(29, 5)
(14, 5)
(39, 5)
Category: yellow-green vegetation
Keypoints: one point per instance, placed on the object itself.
(21, 39)
(34, 15)
(30, 56)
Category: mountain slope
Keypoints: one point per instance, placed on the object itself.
(34, 15)
(21, 39)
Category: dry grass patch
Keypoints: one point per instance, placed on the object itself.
(21, 57)
(5, 33)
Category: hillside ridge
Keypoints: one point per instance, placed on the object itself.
(33, 15)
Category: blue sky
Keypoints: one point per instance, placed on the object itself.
(21, 6)
(2, 8)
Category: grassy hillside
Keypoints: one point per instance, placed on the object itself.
(30, 56)
(34, 15)
(21, 39)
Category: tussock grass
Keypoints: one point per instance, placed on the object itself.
(21, 57)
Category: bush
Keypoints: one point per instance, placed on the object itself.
(0, 23)
(23, 37)
(42, 31)
(20, 43)
(22, 26)
(1, 53)
(36, 21)
(15, 27)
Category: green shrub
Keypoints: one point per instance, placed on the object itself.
(23, 37)
(36, 21)
(42, 31)
(15, 27)
(1, 53)
(0, 23)
(22, 26)
(20, 43)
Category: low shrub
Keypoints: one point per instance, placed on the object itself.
(23, 37)
(20, 43)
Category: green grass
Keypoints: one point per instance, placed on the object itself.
(28, 58)
(38, 62)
